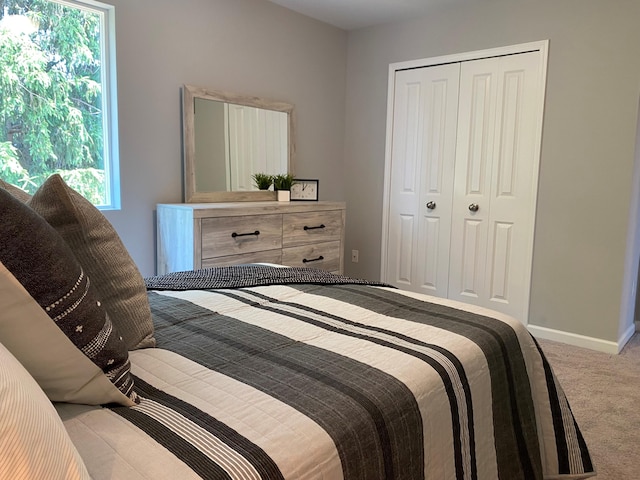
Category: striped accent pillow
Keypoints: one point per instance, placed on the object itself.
(68, 342)
(33, 440)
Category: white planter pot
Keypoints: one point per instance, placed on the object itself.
(283, 195)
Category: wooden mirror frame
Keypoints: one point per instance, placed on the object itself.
(189, 94)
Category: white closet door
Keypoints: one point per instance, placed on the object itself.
(495, 188)
(422, 159)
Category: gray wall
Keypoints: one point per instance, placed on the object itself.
(587, 150)
(338, 84)
(242, 46)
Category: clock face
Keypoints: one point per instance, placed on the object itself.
(304, 190)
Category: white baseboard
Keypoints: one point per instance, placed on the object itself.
(577, 340)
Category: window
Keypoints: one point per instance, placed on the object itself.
(58, 96)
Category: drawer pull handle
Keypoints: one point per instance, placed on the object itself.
(314, 228)
(305, 260)
(256, 233)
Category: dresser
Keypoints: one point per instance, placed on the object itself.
(297, 234)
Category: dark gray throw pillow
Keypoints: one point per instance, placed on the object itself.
(98, 248)
(35, 255)
(15, 191)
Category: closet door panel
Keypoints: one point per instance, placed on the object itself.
(472, 184)
(469, 276)
(513, 189)
(405, 252)
(423, 151)
(404, 183)
(495, 168)
(428, 259)
(501, 259)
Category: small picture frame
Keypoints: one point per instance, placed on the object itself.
(305, 190)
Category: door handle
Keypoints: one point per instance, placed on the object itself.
(474, 207)
(431, 205)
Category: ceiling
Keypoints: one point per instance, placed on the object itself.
(353, 14)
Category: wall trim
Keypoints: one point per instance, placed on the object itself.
(577, 340)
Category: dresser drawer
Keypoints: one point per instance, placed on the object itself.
(311, 227)
(269, 256)
(224, 236)
(325, 256)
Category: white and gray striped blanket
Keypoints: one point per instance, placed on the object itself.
(343, 380)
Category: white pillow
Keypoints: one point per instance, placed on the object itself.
(33, 441)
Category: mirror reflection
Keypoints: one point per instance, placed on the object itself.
(232, 142)
(228, 138)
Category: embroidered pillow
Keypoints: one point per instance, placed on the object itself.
(68, 344)
(103, 256)
(33, 440)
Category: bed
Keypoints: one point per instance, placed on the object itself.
(255, 371)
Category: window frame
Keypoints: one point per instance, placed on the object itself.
(109, 84)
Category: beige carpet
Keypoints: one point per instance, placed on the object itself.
(604, 394)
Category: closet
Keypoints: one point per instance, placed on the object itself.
(462, 169)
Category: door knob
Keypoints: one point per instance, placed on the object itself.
(474, 207)
(431, 205)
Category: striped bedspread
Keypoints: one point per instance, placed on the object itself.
(311, 381)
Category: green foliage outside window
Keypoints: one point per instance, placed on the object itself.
(51, 96)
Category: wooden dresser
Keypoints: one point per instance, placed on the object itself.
(297, 234)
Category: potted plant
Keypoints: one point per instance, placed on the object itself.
(282, 185)
(262, 180)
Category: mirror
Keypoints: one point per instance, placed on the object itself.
(227, 138)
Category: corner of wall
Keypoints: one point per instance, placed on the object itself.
(592, 343)
(629, 301)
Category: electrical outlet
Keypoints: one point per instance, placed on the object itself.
(354, 256)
